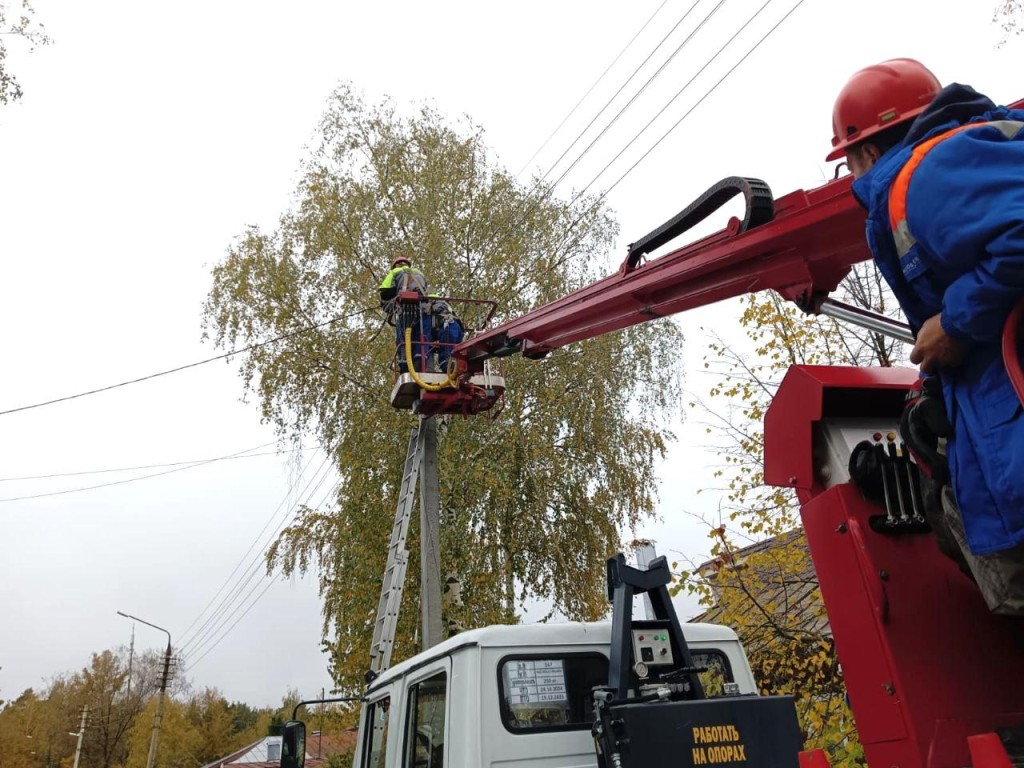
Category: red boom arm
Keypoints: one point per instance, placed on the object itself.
(808, 247)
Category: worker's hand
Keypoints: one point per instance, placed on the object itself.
(935, 349)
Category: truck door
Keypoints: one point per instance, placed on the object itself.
(426, 715)
(377, 731)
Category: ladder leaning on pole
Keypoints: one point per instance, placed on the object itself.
(386, 623)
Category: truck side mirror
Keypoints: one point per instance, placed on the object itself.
(293, 744)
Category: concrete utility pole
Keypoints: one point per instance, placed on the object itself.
(430, 550)
(158, 720)
(131, 658)
(81, 733)
(165, 677)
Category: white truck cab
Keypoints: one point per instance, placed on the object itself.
(513, 696)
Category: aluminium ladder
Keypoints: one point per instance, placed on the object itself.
(420, 468)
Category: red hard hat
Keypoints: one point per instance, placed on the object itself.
(400, 260)
(879, 97)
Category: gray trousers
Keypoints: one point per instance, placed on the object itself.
(999, 576)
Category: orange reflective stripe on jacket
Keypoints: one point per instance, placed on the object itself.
(898, 191)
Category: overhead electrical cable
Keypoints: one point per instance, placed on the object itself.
(250, 573)
(531, 205)
(225, 355)
(136, 479)
(251, 605)
(210, 626)
(114, 470)
(192, 664)
(621, 88)
(680, 92)
(637, 95)
(590, 90)
(699, 101)
(184, 634)
(600, 198)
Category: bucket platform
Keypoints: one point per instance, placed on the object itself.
(474, 394)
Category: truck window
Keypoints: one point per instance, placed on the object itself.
(719, 671)
(550, 692)
(375, 751)
(424, 734)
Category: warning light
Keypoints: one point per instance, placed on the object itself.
(891, 437)
(877, 436)
(641, 638)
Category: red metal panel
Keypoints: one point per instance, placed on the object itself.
(800, 402)
(853, 612)
(906, 620)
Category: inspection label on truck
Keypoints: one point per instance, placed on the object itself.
(535, 681)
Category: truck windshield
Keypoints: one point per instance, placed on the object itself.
(549, 692)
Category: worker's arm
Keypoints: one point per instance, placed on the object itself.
(965, 205)
(388, 290)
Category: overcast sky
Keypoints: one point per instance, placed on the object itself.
(151, 134)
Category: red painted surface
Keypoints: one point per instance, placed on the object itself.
(987, 752)
(809, 246)
(815, 758)
(926, 664)
(808, 389)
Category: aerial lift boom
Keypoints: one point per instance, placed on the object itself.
(801, 245)
(932, 675)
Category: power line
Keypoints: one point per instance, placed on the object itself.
(622, 87)
(643, 88)
(529, 206)
(196, 364)
(192, 665)
(702, 98)
(135, 479)
(680, 92)
(591, 89)
(209, 627)
(141, 466)
(251, 605)
(675, 125)
(196, 644)
(183, 635)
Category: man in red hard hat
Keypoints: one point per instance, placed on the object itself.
(405, 277)
(941, 173)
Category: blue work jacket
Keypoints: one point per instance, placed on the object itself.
(965, 209)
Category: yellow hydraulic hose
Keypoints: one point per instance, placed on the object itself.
(448, 384)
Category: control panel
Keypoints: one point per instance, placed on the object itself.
(652, 645)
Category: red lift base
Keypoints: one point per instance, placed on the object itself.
(474, 395)
(927, 666)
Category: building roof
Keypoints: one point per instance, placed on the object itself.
(793, 597)
(261, 754)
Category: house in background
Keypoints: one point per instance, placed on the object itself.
(771, 581)
(266, 753)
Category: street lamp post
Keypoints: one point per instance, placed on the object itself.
(158, 719)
